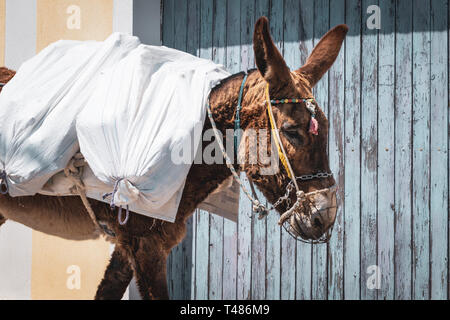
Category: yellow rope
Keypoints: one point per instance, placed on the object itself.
(272, 124)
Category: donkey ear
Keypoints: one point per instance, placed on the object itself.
(324, 54)
(269, 61)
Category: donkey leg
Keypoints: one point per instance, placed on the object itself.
(149, 264)
(117, 276)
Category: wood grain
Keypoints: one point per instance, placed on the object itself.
(439, 151)
(386, 150)
(386, 98)
(336, 114)
(352, 153)
(320, 253)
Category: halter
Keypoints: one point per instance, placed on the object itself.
(302, 197)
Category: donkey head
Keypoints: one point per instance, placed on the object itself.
(307, 152)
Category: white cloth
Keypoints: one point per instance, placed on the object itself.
(39, 105)
(134, 125)
(128, 107)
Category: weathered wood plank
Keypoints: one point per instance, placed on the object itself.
(291, 55)
(192, 46)
(304, 266)
(179, 271)
(403, 139)
(448, 137)
(215, 257)
(203, 217)
(261, 8)
(168, 36)
(194, 255)
(216, 222)
(220, 32)
(352, 253)
(245, 221)
(439, 155)
(319, 259)
(230, 228)
(247, 25)
(273, 256)
(244, 259)
(336, 158)
(259, 226)
(421, 149)
(193, 27)
(369, 110)
(202, 255)
(386, 145)
(259, 256)
(229, 260)
(188, 260)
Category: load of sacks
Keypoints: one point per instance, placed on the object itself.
(124, 105)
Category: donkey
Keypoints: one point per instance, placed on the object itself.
(143, 244)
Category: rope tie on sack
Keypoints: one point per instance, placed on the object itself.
(113, 205)
(4, 188)
(74, 171)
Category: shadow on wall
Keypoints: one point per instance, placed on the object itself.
(371, 17)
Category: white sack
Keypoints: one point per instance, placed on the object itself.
(38, 108)
(143, 109)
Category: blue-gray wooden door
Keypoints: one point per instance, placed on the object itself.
(387, 102)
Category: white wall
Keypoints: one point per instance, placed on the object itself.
(15, 239)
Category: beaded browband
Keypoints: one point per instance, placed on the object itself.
(313, 124)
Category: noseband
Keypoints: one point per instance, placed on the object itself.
(302, 198)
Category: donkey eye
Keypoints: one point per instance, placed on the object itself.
(290, 131)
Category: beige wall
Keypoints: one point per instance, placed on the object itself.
(63, 269)
(54, 19)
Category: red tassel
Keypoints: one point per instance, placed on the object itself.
(314, 126)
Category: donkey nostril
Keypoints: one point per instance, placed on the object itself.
(318, 223)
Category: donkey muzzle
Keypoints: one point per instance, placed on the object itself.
(313, 215)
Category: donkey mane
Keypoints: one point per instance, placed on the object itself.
(233, 76)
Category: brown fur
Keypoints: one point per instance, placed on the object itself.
(144, 242)
(6, 75)
(2, 220)
(117, 276)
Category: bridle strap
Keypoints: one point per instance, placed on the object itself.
(257, 206)
(281, 152)
(237, 119)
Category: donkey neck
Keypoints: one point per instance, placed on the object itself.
(224, 100)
